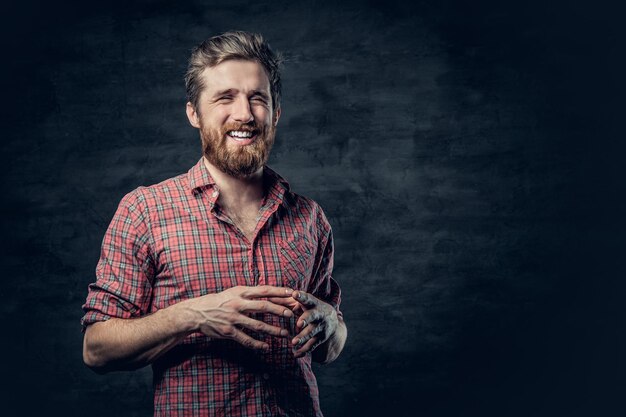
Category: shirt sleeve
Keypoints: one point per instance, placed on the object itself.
(323, 285)
(124, 272)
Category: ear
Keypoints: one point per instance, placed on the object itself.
(192, 115)
(276, 116)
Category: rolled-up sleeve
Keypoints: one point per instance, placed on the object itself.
(125, 270)
(323, 285)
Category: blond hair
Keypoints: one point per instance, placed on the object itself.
(232, 45)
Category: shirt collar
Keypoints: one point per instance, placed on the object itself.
(200, 178)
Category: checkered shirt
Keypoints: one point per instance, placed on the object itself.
(170, 242)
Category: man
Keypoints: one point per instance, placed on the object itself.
(221, 277)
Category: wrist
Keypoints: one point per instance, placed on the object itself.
(182, 317)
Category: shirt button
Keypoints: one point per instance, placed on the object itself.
(266, 376)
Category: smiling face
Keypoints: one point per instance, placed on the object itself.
(235, 117)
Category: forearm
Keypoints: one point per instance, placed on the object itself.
(330, 350)
(120, 344)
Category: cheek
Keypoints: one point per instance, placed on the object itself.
(216, 117)
(262, 115)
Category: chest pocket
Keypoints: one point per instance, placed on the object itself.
(297, 257)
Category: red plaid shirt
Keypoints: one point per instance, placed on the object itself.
(170, 242)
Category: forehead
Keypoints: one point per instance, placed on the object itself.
(235, 74)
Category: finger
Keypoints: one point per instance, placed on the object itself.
(266, 291)
(298, 310)
(249, 306)
(259, 326)
(307, 333)
(309, 316)
(295, 306)
(287, 302)
(248, 341)
(309, 346)
(305, 299)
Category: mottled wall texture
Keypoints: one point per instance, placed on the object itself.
(468, 155)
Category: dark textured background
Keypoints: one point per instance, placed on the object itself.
(468, 155)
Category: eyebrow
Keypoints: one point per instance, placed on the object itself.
(232, 90)
(259, 93)
(222, 92)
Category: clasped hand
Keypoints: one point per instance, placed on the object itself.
(225, 314)
(317, 321)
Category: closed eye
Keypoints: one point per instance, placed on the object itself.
(259, 99)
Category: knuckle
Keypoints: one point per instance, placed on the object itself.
(243, 307)
(228, 331)
(230, 304)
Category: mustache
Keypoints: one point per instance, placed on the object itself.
(243, 127)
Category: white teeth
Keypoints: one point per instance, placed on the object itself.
(240, 134)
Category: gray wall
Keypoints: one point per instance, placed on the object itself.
(468, 155)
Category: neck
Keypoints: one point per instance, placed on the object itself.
(237, 191)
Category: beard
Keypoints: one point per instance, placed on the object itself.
(237, 161)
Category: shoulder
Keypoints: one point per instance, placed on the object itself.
(152, 196)
(142, 205)
(304, 203)
(306, 207)
(301, 206)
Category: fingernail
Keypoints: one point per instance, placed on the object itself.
(288, 291)
(266, 347)
(295, 341)
(284, 332)
(287, 313)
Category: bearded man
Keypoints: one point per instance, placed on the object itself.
(220, 278)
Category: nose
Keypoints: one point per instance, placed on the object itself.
(241, 110)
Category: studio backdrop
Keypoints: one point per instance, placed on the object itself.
(467, 155)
